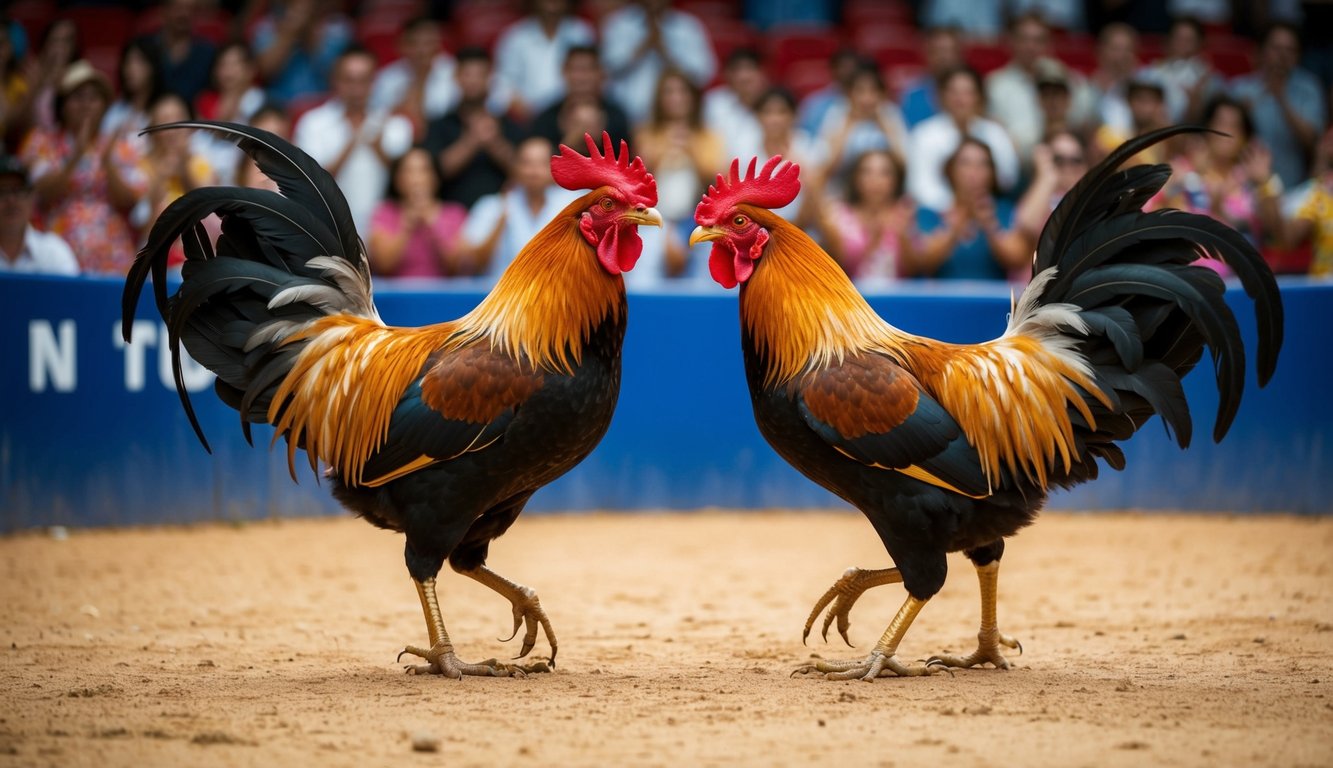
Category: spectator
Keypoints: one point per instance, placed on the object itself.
(352, 141)
(59, 49)
(683, 155)
(420, 86)
(530, 53)
(413, 233)
(644, 39)
(1147, 112)
(1058, 163)
(779, 135)
(172, 168)
(1229, 176)
(140, 81)
(296, 44)
(944, 51)
(729, 107)
(1286, 102)
(233, 96)
(975, 237)
(934, 140)
(1054, 97)
(23, 247)
(585, 108)
(86, 180)
(15, 95)
(475, 149)
(1011, 92)
(1117, 62)
(867, 120)
(843, 64)
(1184, 71)
(1313, 219)
(184, 59)
(866, 230)
(500, 224)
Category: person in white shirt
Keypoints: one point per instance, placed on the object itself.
(867, 120)
(645, 38)
(499, 225)
(530, 54)
(420, 85)
(935, 139)
(1011, 91)
(24, 248)
(350, 139)
(729, 108)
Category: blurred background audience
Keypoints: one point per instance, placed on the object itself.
(935, 136)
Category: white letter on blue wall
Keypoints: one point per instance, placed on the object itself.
(50, 359)
(144, 335)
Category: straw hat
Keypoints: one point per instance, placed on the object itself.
(80, 72)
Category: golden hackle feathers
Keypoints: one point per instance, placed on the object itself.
(1011, 396)
(340, 395)
(549, 299)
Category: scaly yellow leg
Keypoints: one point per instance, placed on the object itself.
(527, 608)
(440, 655)
(882, 661)
(989, 638)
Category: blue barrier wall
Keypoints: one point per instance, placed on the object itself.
(92, 433)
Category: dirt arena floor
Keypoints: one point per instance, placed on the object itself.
(1162, 640)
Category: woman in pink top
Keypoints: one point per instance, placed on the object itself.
(1229, 176)
(413, 233)
(865, 232)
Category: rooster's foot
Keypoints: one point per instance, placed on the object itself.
(843, 595)
(442, 661)
(877, 664)
(987, 652)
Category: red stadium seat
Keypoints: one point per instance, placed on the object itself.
(102, 26)
(1078, 52)
(790, 46)
(729, 35)
(35, 16)
(986, 57)
(379, 39)
(1151, 48)
(708, 11)
(214, 25)
(872, 37)
(808, 76)
(1231, 56)
(481, 25)
(105, 59)
(858, 12)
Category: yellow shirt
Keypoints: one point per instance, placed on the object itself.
(1318, 210)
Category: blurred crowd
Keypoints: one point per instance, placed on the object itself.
(935, 137)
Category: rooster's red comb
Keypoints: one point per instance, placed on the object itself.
(766, 190)
(575, 171)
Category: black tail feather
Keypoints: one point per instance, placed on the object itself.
(1149, 310)
(224, 311)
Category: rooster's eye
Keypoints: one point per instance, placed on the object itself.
(607, 204)
(739, 221)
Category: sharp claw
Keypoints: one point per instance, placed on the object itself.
(1020, 647)
(518, 622)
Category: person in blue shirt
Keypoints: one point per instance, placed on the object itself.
(975, 238)
(944, 52)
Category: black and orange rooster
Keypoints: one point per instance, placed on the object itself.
(950, 447)
(442, 432)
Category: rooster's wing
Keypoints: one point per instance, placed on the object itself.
(874, 411)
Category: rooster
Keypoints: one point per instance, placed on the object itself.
(949, 447)
(443, 432)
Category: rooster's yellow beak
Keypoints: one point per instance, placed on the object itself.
(643, 217)
(704, 235)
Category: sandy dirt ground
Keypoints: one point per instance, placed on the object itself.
(1165, 640)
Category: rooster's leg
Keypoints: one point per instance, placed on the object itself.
(844, 594)
(440, 655)
(989, 638)
(527, 609)
(882, 661)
